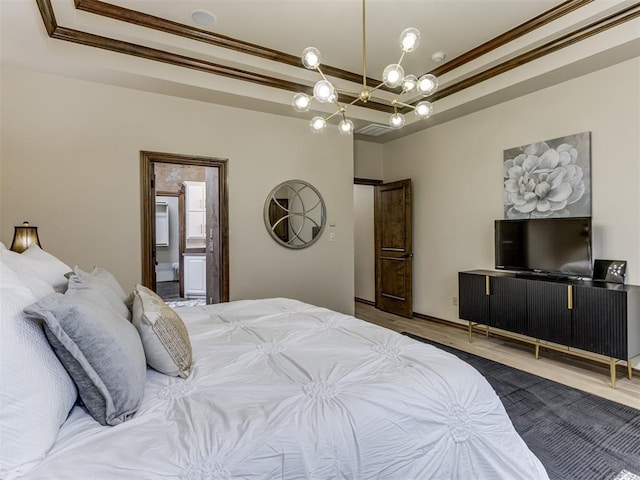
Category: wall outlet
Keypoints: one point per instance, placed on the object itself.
(332, 236)
(454, 301)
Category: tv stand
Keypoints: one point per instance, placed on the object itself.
(597, 321)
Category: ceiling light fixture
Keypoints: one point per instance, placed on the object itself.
(393, 77)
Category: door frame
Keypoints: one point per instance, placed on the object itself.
(147, 202)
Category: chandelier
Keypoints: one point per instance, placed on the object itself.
(393, 77)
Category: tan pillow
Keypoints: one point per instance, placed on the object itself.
(164, 335)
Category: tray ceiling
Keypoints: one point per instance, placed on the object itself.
(495, 49)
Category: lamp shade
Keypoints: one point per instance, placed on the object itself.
(24, 236)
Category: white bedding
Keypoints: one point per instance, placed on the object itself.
(285, 390)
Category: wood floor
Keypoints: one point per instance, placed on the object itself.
(585, 375)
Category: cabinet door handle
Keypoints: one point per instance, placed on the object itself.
(570, 297)
(487, 285)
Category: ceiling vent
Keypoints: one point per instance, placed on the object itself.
(374, 130)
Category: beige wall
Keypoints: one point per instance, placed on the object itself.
(70, 165)
(368, 158)
(456, 169)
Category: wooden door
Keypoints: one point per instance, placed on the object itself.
(394, 249)
(214, 234)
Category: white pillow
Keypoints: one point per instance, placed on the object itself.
(22, 270)
(51, 269)
(36, 392)
(9, 278)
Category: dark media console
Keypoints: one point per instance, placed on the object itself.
(589, 319)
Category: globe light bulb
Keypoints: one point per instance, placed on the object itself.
(427, 84)
(396, 120)
(423, 109)
(317, 124)
(409, 83)
(311, 58)
(393, 75)
(409, 39)
(324, 92)
(301, 102)
(345, 127)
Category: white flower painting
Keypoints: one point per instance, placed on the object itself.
(549, 179)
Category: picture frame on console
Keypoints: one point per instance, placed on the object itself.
(610, 271)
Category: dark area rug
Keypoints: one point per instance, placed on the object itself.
(576, 435)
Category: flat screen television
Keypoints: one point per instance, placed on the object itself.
(558, 246)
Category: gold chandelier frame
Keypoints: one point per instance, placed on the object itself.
(393, 77)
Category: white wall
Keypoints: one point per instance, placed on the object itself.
(364, 240)
(65, 143)
(456, 169)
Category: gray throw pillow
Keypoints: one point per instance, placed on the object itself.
(100, 349)
(102, 279)
(98, 293)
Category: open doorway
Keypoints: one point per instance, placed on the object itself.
(383, 251)
(364, 240)
(185, 227)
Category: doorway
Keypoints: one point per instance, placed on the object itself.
(364, 240)
(201, 269)
(383, 238)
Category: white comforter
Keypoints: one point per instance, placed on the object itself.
(285, 390)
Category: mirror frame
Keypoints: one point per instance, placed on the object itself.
(270, 228)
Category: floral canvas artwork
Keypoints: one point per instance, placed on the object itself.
(549, 179)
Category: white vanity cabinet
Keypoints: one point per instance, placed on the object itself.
(195, 225)
(195, 213)
(195, 264)
(195, 275)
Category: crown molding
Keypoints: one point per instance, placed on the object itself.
(149, 21)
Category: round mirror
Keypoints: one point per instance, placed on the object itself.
(294, 214)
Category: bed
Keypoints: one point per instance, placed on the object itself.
(280, 389)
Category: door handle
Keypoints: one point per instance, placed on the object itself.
(407, 255)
